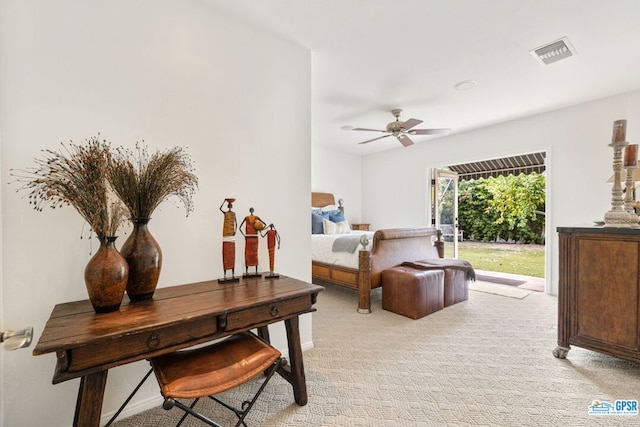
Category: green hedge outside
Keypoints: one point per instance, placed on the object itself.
(505, 208)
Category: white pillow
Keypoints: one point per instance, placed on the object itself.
(330, 227)
(344, 226)
(327, 208)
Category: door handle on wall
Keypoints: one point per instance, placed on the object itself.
(13, 340)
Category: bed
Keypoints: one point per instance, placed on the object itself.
(361, 269)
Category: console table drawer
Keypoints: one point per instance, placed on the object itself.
(139, 344)
(267, 313)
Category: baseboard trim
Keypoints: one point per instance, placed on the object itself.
(134, 408)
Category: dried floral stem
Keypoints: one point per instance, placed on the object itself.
(143, 181)
(76, 176)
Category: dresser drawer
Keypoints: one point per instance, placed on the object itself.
(267, 313)
(137, 345)
(361, 226)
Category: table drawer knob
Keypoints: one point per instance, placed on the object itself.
(153, 341)
(274, 311)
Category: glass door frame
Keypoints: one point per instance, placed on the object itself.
(436, 176)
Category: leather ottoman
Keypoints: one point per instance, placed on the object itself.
(412, 293)
(457, 274)
(456, 286)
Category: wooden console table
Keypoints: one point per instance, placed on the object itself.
(599, 289)
(87, 344)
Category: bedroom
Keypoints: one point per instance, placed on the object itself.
(242, 84)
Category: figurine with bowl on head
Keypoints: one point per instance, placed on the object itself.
(253, 224)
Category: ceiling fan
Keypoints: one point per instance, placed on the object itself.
(401, 130)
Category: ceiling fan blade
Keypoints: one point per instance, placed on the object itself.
(372, 130)
(429, 132)
(374, 139)
(405, 140)
(411, 123)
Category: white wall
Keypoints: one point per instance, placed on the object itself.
(170, 73)
(578, 166)
(3, 325)
(340, 174)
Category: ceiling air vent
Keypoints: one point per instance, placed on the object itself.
(554, 52)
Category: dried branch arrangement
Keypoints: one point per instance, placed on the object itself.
(143, 181)
(77, 176)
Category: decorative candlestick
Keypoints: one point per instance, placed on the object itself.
(617, 216)
(631, 156)
(630, 165)
(619, 132)
(629, 187)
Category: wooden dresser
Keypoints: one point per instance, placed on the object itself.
(360, 226)
(598, 295)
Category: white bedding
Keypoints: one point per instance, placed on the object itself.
(322, 244)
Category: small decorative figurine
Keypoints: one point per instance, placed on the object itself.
(272, 238)
(252, 224)
(229, 227)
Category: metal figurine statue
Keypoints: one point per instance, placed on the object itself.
(272, 238)
(229, 227)
(252, 224)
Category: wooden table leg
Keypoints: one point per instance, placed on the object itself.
(296, 374)
(89, 403)
(263, 332)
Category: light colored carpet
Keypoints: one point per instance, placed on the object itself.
(486, 361)
(502, 290)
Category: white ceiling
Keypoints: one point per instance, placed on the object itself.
(369, 56)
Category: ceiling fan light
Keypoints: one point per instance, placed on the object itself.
(400, 129)
(465, 85)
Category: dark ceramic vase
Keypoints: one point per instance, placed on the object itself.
(144, 257)
(106, 277)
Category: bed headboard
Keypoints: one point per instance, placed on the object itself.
(319, 200)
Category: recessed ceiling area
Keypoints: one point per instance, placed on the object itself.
(368, 58)
(513, 165)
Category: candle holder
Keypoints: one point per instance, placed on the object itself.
(629, 187)
(618, 216)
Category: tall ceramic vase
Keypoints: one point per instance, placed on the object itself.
(144, 257)
(106, 277)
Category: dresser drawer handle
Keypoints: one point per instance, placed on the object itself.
(274, 311)
(153, 341)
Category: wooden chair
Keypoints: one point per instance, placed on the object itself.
(207, 371)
